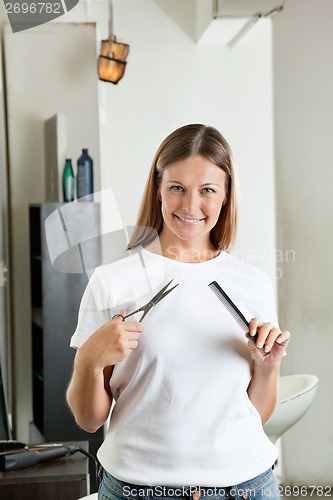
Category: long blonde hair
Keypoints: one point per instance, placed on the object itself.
(185, 142)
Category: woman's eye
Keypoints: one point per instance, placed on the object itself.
(208, 190)
(176, 188)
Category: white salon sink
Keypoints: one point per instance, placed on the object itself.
(295, 396)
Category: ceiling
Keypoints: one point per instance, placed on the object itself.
(221, 22)
(245, 8)
(233, 19)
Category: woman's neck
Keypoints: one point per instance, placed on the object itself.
(183, 251)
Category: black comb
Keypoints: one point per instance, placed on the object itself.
(234, 311)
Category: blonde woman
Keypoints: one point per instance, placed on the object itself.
(191, 392)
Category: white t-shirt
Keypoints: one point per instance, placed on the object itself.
(182, 414)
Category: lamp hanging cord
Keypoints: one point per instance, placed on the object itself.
(110, 20)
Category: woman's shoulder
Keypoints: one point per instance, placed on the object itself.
(130, 277)
(132, 271)
(126, 262)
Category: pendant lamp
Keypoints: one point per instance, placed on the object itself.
(112, 58)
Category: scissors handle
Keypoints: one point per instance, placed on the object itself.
(119, 316)
(127, 315)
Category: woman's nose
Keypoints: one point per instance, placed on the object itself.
(191, 203)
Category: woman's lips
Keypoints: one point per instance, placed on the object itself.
(189, 221)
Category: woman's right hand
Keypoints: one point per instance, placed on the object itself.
(111, 343)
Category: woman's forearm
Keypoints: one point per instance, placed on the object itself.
(89, 396)
(262, 389)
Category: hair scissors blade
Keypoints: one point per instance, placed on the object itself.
(155, 300)
(162, 293)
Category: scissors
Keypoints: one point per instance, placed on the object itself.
(146, 308)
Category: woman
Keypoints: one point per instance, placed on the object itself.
(191, 393)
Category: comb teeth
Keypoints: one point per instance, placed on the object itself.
(232, 308)
(234, 311)
(229, 308)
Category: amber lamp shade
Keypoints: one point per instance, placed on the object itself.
(112, 60)
(110, 69)
(119, 50)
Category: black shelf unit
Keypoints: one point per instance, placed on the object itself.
(55, 299)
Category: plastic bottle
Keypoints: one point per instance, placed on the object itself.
(68, 181)
(85, 177)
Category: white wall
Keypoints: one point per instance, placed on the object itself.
(303, 47)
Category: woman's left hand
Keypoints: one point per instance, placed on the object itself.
(272, 339)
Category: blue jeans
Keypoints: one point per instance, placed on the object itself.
(261, 487)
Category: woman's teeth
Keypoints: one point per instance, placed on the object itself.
(190, 221)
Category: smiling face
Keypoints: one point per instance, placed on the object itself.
(192, 193)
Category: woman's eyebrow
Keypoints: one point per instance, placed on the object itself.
(205, 184)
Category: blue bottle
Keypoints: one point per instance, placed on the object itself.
(85, 177)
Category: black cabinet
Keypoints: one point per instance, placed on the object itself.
(64, 248)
